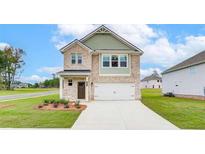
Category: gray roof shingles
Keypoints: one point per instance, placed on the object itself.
(195, 60)
(154, 76)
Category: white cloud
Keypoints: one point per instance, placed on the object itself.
(50, 70)
(33, 78)
(192, 45)
(137, 34)
(160, 52)
(163, 53)
(3, 45)
(77, 31)
(157, 48)
(149, 71)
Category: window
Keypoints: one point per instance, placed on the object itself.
(76, 58)
(106, 61)
(119, 61)
(114, 60)
(73, 60)
(123, 61)
(70, 82)
(79, 56)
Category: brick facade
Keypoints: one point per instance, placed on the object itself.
(86, 56)
(133, 78)
(92, 62)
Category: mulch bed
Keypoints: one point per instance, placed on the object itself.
(61, 107)
(6, 105)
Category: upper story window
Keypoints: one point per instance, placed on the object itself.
(123, 60)
(117, 60)
(106, 61)
(73, 60)
(76, 58)
(79, 56)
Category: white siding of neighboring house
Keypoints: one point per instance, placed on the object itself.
(151, 84)
(190, 81)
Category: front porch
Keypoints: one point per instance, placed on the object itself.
(74, 85)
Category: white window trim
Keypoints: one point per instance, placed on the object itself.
(71, 55)
(110, 62)
(76, 58)
(102, 60)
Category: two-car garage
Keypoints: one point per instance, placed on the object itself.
(114, 91)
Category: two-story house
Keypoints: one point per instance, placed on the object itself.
(152, 81)
(100, 66)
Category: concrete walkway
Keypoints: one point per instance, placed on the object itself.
(24, 96)
(120, 115)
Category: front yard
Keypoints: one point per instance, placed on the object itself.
(24, 91)
(22, 114)
(184, 113)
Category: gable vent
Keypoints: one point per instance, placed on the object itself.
(103, 30)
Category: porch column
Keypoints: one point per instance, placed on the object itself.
(61, 87)
(86, 89)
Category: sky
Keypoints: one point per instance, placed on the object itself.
(163, 45)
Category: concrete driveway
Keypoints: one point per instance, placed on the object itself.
(24, 96)
(120, 115)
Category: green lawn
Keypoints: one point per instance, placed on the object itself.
(23, 115)
(184, 113)
(24, 90)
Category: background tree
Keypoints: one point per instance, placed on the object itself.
(51, 83)
(11, 60)
(2, 61)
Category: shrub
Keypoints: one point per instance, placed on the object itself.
(63, 101)
(55, 104)
(169, 94)
(46, 101)
(77, 104)
(52, 101)
(66, 105)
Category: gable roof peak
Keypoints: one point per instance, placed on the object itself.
(102, 29)
(153, 76)
(76, 41)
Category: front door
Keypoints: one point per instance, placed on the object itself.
(81, 90)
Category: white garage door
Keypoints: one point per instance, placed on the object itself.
(114, 91)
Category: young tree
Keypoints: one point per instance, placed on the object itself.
(2, 61)
(11, 64)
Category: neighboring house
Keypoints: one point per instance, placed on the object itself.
(100, 66)
(186, 79)
(152, 81)
(18, 84)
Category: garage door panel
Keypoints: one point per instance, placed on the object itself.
(114, 91)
